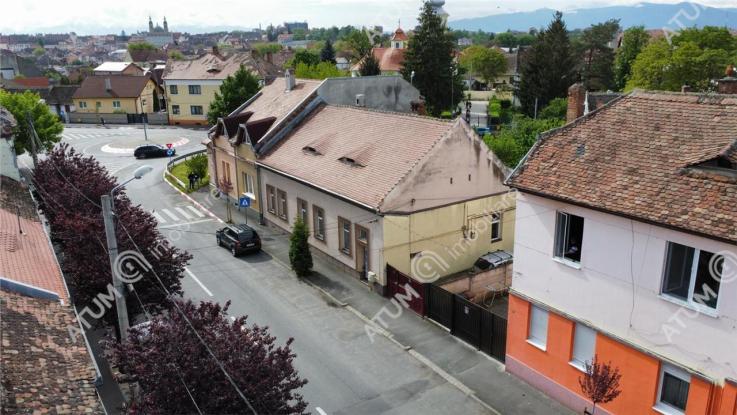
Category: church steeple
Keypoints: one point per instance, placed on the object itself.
(150, 25)
(166, 25)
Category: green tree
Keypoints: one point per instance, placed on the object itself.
(369, 66)
(305, 56)
(510, 39)
(547, 69)
(515, 140)
(320, 71)
(595, 56)
(634, 40)
(46, 124)
(197, 164)
(694, 58)
(327, 54)
(358, 43)
(176, 55)
(234, 91)
(430, 56)
(38, 51)
(135, 46)
(555, 110)
(300, 256)
(485, 62)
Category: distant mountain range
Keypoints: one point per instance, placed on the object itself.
(650, 15)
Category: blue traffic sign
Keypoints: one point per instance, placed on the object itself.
(244, 201)
(169, 152)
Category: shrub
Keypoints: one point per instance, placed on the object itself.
(300, 256)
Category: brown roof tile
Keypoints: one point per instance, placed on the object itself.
(383, 147)
(122, 86)
(635, 157)
(210, 67)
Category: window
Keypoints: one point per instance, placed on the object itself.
(195, 109)
(344, 236)
(248, 181)
(692, 275)
(584, 344)
(195, 90)
(319, 217)
(270, 199)
(282, 206)
(673, 390)
(116, 104)
(302, 209)
(98, 104)
(538, 327)
(173, 89)
(82, 104)
(568, 236)
(143, 102)
(496, 227)
(175, 109)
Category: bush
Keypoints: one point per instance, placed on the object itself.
(446, 115)
(197, 165)
(300, 256)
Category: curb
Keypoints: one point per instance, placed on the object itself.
(196, 203)
(107, 148)
(389, 335)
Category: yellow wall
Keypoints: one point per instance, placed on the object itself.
(144, 103)
(439, 235)
(185, 100)
(243, 163)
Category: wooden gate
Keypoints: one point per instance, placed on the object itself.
(396, 283)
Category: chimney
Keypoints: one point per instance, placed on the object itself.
(576, 100)
(215, 50)
(108, 85)
(289, 79)
(728, 84)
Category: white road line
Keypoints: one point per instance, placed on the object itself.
(196, 212)
(320, 411)
(159, 218)
(183, 213)
(169, 214)
(176, 225)
(198, 282)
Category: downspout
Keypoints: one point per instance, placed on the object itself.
(260, 199)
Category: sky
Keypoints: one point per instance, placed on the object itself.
(112, 16)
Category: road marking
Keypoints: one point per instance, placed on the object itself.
(169, 214)
(158, 217)
(198, 281)
(320, 411)
(176, 225)
(196, 212)
(183, 213)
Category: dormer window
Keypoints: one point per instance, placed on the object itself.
(350, 161)
(311, 150)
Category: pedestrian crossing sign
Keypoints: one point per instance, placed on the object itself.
(244, 201)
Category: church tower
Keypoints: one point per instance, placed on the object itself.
(150, 25)
(166, 25)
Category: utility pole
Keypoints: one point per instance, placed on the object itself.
(34, 139)
(112, 246)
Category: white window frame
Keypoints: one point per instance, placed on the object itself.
(319, 219)
(539, 312)
(174, 89)
(116, 104)
(196, 88)
(82, 104)
(249, 185)
(201, 110)
(175, 109)
(579, 334)
(496, 219)
(689, 301)
(664, 407)
(557, 242)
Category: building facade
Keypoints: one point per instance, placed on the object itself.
(116, 94)
(627, 253)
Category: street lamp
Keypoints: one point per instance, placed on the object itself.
(412, 78)
(112, 245)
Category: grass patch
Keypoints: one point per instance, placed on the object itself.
(181, 171)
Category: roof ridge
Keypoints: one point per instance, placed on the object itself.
(710, 95)
(398, 113)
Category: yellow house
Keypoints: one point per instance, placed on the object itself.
(191, 84)
(106, 94)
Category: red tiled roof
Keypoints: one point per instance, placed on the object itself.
(26, 257)
(33, 82)
(639, 157)
(390, 59)
(45, 370)
(123, 86)
(383, 146)
(400, 35)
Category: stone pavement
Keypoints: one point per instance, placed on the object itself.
(475, 373)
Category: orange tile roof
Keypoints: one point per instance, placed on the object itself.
(384, 146)
(400, 35)
(209, 67)
(638, 157)
(26, 257)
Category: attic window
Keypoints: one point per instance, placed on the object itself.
(213, 68)
(718, 165)
(350, 161)
(311, 150)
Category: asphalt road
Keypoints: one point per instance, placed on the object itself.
(347, 373)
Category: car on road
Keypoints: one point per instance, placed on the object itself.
(238, 239)
(152, 150)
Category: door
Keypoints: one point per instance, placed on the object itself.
(230, 238)
(362, 251)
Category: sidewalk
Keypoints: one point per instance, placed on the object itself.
(470, 370)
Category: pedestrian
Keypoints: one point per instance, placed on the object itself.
(196, 179)
(191, 180)
(102, 121)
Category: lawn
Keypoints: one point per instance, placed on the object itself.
(181, 172)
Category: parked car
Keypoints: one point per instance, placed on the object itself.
(238, 239)
(152, 150)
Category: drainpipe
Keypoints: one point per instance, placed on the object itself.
(261, 220)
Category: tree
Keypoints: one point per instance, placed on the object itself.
(369, 66)
(169, 372)
(320, 71)
(600, 383)
(547, 68)
(176, 55)
(197, 164)
(430, 56)
(39, 51)
(327, 54)
(358, 43)
(513, 141)
(300, 256)
(69, 186)
(233, 92)
(135, 46)
(634, 40)
(46, 124)
(305, 56)
(695, 57)
(595, 56)
(555, 110)
(488, 63)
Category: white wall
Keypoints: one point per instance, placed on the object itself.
(333, 207)
(615, 253)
